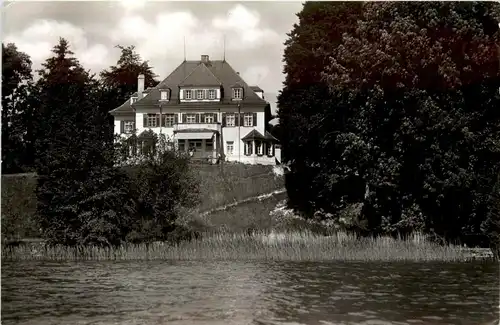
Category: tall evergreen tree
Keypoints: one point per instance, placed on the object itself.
(80, 198)
(17, 110)
(121, 79)
(119, 82)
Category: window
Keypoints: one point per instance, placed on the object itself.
(248, 120)
(128, 126)
(260, 148)
(151, 121)
(195, 145)
(199, 94)
(209, 118)
(209, 145)
(164, 95)
(211, 94)
(248, 148)
(187, 94)
(230, 147)
(270, 150)
(237, 93)
(230, 120)
(190, 118)
(169, 120)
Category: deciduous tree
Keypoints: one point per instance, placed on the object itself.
(305, 97)
(410, 115)
(17, 110)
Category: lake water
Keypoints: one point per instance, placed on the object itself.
(248, 293)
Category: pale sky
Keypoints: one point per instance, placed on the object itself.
(255, 32)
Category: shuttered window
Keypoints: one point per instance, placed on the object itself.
(248, 119)
(129, 126)
(209, 118)
(151, 120)
(230, 120)
(230, 148)
(169, 120)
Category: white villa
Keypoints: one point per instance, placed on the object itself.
(206, 109)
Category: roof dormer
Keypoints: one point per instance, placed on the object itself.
(165, 94)
(133, 100)
(237, 92)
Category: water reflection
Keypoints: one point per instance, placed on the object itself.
(248, 293)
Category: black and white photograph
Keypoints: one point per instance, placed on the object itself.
(250, 163)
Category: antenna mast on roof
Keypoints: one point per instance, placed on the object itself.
(184, 48)
(224, 49)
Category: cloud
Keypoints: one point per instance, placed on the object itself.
(243, 26)
(255, 75)
(131, 5)
(158, 30)
(163, 37)
(38, 39)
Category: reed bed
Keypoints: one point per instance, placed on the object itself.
(262, 246)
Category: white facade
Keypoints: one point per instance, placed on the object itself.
(196, 124)
(230, 144)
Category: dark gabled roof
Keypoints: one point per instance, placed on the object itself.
(269, 136)
(125, 108)
(185, 73)
(256, 88)
(254, 135)
(222, 72)
(201, 76)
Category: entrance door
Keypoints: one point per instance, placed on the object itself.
(195, 147)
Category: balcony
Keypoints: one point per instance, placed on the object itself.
(216, 127)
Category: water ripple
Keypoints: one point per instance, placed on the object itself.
(104, 293)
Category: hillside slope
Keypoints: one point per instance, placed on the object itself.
(219, 186)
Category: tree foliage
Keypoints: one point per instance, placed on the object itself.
(305, 98)
(122, 77)
(83, 197)
(80, 198)
(408, 125)
(162, 184)
(17, 110)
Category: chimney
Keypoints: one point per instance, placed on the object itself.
(140, 85)
(204, 58)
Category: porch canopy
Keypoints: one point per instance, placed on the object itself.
(256, 135)
(253, 135)
(191, 134)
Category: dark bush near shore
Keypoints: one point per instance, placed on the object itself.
(218, 186)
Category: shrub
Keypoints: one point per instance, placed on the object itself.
(162, 185)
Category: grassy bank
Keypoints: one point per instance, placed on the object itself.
(252, 215)
(219, 186)
(262, 246)
(234, 182)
